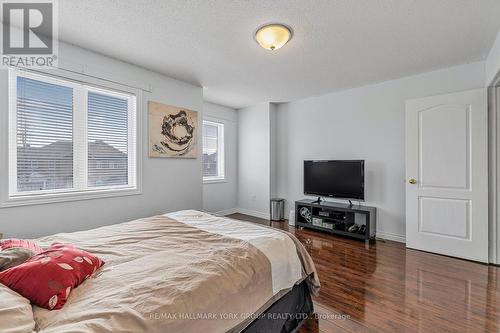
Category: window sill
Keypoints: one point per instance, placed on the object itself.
(65, 197)
(214, 180)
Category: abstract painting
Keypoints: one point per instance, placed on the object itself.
(172, 131)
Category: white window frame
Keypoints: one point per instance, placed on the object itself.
(221, 177)
(80, 83)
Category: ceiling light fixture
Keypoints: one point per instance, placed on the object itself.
(273, 36)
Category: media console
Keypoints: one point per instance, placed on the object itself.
(337, 218)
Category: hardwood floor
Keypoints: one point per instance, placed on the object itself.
(388, 288)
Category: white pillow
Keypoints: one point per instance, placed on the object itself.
(16, 313)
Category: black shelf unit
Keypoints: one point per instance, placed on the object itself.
(336, 218)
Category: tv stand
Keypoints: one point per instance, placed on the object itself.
(318, 201)
(336, 218)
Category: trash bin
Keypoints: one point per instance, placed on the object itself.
(277, 209)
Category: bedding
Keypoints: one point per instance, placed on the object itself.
(48, 278)
(14, 256)
(16, 314)
(182, 272)
(20, 243)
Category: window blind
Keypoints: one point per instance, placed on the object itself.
(107, 140)
(44, 136)
(210, 147)
(67, 138)
(213, 151)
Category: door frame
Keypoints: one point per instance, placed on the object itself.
(494, 171)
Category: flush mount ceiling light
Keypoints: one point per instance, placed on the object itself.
(273, 36)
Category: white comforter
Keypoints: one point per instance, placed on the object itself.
(278, 247)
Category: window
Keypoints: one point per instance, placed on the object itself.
(69, 138)
(213, 151)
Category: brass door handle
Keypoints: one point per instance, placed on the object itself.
(412, 181)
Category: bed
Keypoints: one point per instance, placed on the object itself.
(186, 271)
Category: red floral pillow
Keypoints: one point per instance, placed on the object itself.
(23, 243)
(47, 278)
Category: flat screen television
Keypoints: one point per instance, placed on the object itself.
(343, 179)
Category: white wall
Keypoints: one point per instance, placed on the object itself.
(222, 197)
(281, 152)
(273, 151)
(494, 174)
(167, 184)
(493, 61)
(254, 163)
(492, 69)
(363, 123)
(494, 208)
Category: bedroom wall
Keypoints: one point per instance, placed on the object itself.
(221, 197)
(363, 123)
(493, 61)
(494, 174)
(254, 163)
(273, 151)
(167, 184)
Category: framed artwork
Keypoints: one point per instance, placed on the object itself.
(173, 131)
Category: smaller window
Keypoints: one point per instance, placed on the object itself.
(213, 151)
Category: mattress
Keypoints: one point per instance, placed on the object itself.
(186, 271)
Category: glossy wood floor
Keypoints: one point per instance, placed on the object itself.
(388, 288)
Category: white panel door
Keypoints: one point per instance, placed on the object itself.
(447, 174)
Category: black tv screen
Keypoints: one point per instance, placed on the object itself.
(340, 179)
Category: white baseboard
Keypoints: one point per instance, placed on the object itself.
(226, 211)
(392, 237)
(254, 213)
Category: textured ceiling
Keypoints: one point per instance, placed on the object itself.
(337, 44)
